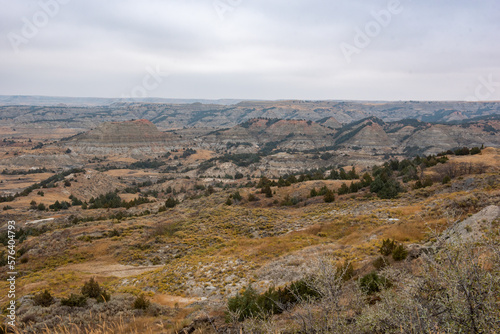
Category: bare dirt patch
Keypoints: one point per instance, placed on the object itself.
(175, 301)
(109, 269)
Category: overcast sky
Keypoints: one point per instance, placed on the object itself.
(252, 49)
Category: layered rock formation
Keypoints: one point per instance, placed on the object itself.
(139, 131)
(371, 136)
(133, 138)
(177, 116)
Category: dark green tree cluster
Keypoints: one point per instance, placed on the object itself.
(188, 152)
(23, 233)
(236, 197)
(341, 174)
(385, 184)
(321, 192)
(171, 202)
(75, 201)
(389, 247)
(112, 200)
(242, 160)
(90, 289)
(465, 151)
(290, 201)
(57, 206)
(47, 183)
(274, 301)
(426, 182)
(372, 283)
(147, 164)
(108, 200)
(43, 299)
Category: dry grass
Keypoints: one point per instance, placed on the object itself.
(490, 156)
(216, 241)
(120, 326)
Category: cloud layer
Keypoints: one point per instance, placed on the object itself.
(314, 49)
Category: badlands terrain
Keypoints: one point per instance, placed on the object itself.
(251, 216)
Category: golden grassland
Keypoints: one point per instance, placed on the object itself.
(218, 236)
(204, 248)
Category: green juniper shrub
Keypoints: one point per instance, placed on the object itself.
(171, 202)
(237, 196)
(43, 299)
(245, 304)
(74, 301)
(250, 304)
(475, 150)
(91, 289)
(387, 247)
(329, 197)
(267, 190)
(302, 290)
(141, 303)
(344, 189)
(289, 201)
(399, 253)
(372, 282)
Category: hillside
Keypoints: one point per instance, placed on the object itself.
(207, 115)
(225, 234)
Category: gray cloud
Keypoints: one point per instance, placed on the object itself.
(271, 50)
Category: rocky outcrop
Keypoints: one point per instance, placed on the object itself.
(372, 135)
(176, 116)
(330, 122)
(369, 136)
(135, 138)
(472, 229)
(122, 133)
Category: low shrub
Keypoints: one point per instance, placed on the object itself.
(74, 301)
(91, 289)
(250, 304)
(380, 263)
(141, 303)
(400, 253)
(387, 247)
(43, 299)
(244, 305)
(372, 282)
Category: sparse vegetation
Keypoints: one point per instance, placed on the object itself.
(141, 303)
(91, 289)
(43, 299)
(74, 300)
(265, 236)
